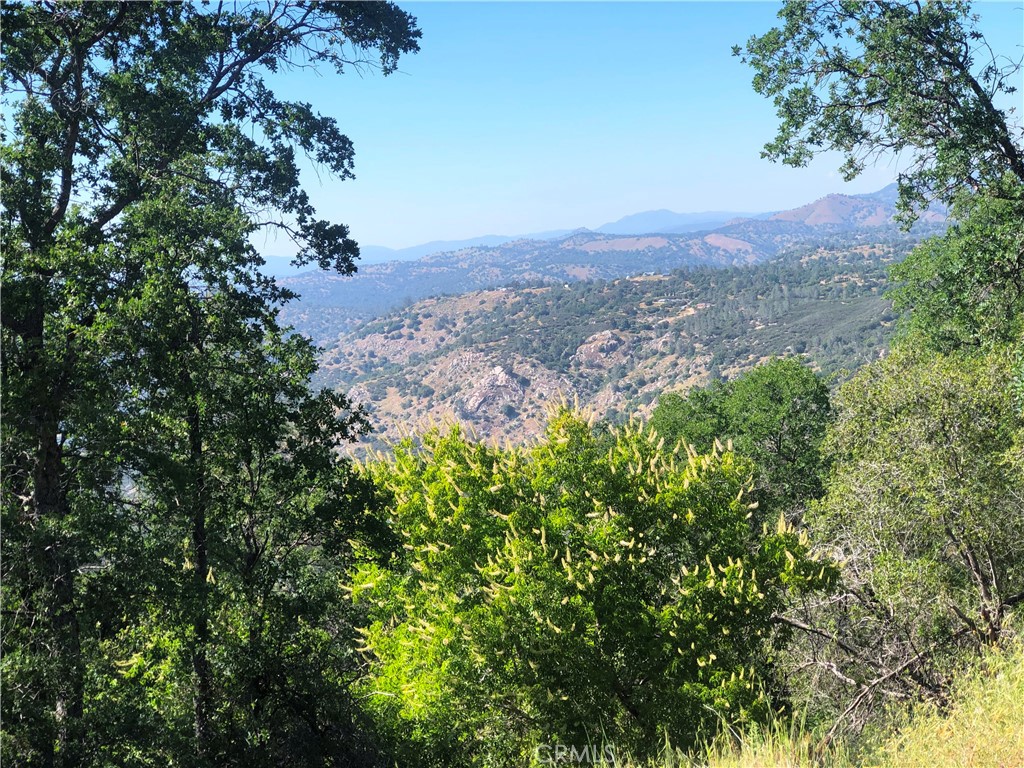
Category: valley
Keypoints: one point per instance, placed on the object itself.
(497, 360)
(493, 336)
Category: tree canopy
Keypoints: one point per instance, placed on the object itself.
(894, 77)
(925, 513)
(922, 503)
(160, 438)
(775, 414)
(113, 101)
(966, 288)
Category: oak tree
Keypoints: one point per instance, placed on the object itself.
(144, 147)
(874, 79)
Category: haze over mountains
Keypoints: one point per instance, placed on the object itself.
(646, 222)
(669, 222)
(330, 303)
(635, 224)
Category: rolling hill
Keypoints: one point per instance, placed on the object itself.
(494, 359)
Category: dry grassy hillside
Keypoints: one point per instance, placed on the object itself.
(496, 359)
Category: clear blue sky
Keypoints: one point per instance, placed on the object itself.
(524, 117)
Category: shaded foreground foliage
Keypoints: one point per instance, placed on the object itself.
(175, 509)
(925, 511)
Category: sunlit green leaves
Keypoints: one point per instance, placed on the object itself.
(587, 583)
(966, 288)
(774, 414)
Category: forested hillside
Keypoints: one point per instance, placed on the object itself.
(330, 303)
(497, 359)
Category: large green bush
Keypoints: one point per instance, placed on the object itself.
(924, 508)
(592, 589)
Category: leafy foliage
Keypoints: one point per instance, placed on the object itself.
(890, 77)
(593, 586)
(775, 414)
(923, 506)
(114, 100)
(925, 511)
(966, 288)
(201, 546)
(161, 539)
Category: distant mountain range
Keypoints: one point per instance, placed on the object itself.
(662, 221)
(376, 254)
(492, 331)
(834, 209)
(331, 303)
(669, 222)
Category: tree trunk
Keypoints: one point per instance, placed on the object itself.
(199, 503)
(201, 621)
(48, 510)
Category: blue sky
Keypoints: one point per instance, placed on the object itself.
(528, 116)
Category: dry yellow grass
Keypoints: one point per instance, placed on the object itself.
(983, 729)
(777, 745)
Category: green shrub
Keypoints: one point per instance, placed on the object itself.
(596, 588)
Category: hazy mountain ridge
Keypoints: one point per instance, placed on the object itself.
(661, 221)
(669, 222)
(375, 254)
(584, 255)
(871, 210)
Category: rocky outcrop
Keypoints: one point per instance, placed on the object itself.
(497, 388)
(602, 350)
